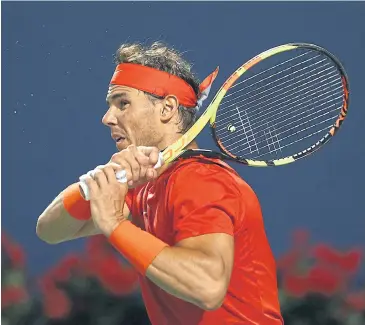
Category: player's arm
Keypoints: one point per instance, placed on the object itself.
(56, 225)
(197, 269)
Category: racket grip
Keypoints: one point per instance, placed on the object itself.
(121, 177)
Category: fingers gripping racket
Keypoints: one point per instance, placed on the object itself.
(281, 105)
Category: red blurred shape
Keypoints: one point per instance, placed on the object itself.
(13, 295)
(55, 301)
(351, 261)
(295, 285)
(63, 270)
(348, 262)
(323, 280)
(96, 245)
(56, 304)
(13, 250)
(356, 300)
(114, 276)
(288, 261)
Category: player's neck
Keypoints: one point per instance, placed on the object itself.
(168, 140)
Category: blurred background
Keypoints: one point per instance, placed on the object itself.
(56, 66)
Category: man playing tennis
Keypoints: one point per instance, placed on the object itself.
(193, 230)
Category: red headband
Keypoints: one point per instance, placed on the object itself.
(160, 83)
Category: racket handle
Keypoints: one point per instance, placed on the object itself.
(121, 177)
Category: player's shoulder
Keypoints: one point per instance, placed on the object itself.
(201, 164)
(203, 169)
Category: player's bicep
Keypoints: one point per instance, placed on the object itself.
(218, 246)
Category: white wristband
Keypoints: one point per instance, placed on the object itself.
(120, 176)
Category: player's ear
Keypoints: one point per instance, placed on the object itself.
(169, 107)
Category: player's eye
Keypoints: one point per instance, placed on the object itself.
(123, 104)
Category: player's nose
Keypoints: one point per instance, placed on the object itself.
(109, 117)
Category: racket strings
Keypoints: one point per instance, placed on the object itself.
(288, 107)
(265, 85)
(270, 125)
(272, 129)
(282, 108)
(308, 85)
(309, 75)
(276, 150)
(270, 133)
(262, 72)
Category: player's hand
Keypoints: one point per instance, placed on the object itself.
(138, 163)
(107, 197)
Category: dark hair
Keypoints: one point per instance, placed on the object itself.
(161, 57)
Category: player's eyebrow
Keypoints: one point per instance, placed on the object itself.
(110, 98)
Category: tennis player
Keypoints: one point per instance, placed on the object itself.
(194, 230)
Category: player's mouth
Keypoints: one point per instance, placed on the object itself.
(119, 139)
(120, 143)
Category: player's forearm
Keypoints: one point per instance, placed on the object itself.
(189, 275)
(55, 225)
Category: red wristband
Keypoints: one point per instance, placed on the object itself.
(139, 247)
(75, 204)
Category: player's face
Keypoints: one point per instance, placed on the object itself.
(132, 118)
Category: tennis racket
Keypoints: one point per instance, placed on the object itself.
(278, 107)
(282, 105)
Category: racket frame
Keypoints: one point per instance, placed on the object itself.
(176, 150)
